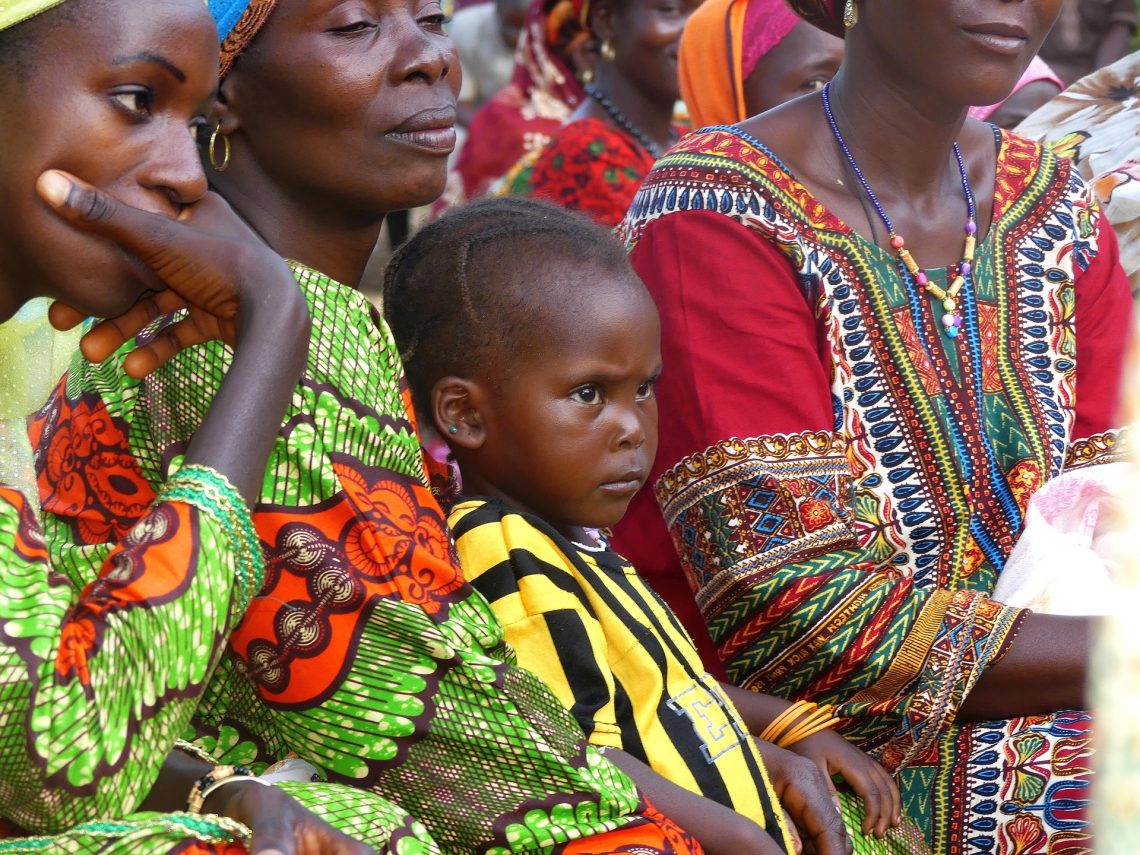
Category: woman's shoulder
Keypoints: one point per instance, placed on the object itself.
(724, 170)
(1037, 186)
(1026, 166)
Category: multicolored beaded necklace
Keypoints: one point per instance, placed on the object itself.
(951, 319)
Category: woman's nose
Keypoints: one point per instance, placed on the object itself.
(174, 169)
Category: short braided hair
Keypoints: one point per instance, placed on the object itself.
(463, 294)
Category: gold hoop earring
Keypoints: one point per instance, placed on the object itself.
(607, 51)
(850, 14)
(213, 153)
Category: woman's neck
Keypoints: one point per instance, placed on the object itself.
(322, 238)
(648, 115)
(902, 139)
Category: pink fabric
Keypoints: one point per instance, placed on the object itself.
(1037, 70)
(766, 24)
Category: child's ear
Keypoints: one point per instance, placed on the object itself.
(455, 405)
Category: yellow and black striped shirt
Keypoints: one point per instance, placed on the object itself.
(614, 654)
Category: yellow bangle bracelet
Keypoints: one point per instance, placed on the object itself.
(820, 720)
(785, 720)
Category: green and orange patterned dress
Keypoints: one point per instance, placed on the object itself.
(843, 482)
(103, 658)
(365, 652)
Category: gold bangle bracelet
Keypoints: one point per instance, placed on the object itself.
(799, 721)
(786, 719)
(820, 720)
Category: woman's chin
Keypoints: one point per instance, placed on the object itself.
(420, 193)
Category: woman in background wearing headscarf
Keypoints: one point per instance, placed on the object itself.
(893, 324)
(544, 91)
(366, 652)
(103, 658)
(767, 54)
(595, 162)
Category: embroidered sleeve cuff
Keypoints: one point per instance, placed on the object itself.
(744, 507)
(212, 494)
(975, 632)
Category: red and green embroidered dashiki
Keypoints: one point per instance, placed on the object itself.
(843, 482)
(588, 166)
(366, 652)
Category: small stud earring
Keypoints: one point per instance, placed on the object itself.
(453, 429)
(607, 51)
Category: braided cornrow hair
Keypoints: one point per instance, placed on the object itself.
(461, 295)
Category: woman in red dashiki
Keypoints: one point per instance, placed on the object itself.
(850, 445)
(596, 161)
(520, 118)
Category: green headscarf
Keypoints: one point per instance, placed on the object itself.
(14, 12)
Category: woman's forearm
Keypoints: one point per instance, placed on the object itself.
(171, 790)
(1044, 670)
(239, 430)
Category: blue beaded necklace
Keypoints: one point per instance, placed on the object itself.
(909, 269)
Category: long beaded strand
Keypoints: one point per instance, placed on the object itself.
(951, 319)
(622, 122)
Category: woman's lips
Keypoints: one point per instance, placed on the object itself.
(431, 130)
(1006, 39)
(433, 139)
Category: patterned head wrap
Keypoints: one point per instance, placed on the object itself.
(14, 12)
(825, 14)
(238, 22)
(740, 31)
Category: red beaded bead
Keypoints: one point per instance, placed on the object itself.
(897, 242)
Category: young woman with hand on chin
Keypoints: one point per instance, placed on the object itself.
(104, 652)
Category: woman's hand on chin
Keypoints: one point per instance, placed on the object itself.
(207, 261)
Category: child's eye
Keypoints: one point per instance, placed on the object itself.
(587, 394)
(137, 102)
(645, 390)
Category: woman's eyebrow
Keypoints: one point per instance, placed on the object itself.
(157, 59)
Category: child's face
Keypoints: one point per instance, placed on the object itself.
(571, 433)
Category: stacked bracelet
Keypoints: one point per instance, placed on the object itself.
(195, 751)
(213, 780)
(799, 721)
(212, 493)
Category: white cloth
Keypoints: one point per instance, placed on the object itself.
(1073, 544)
